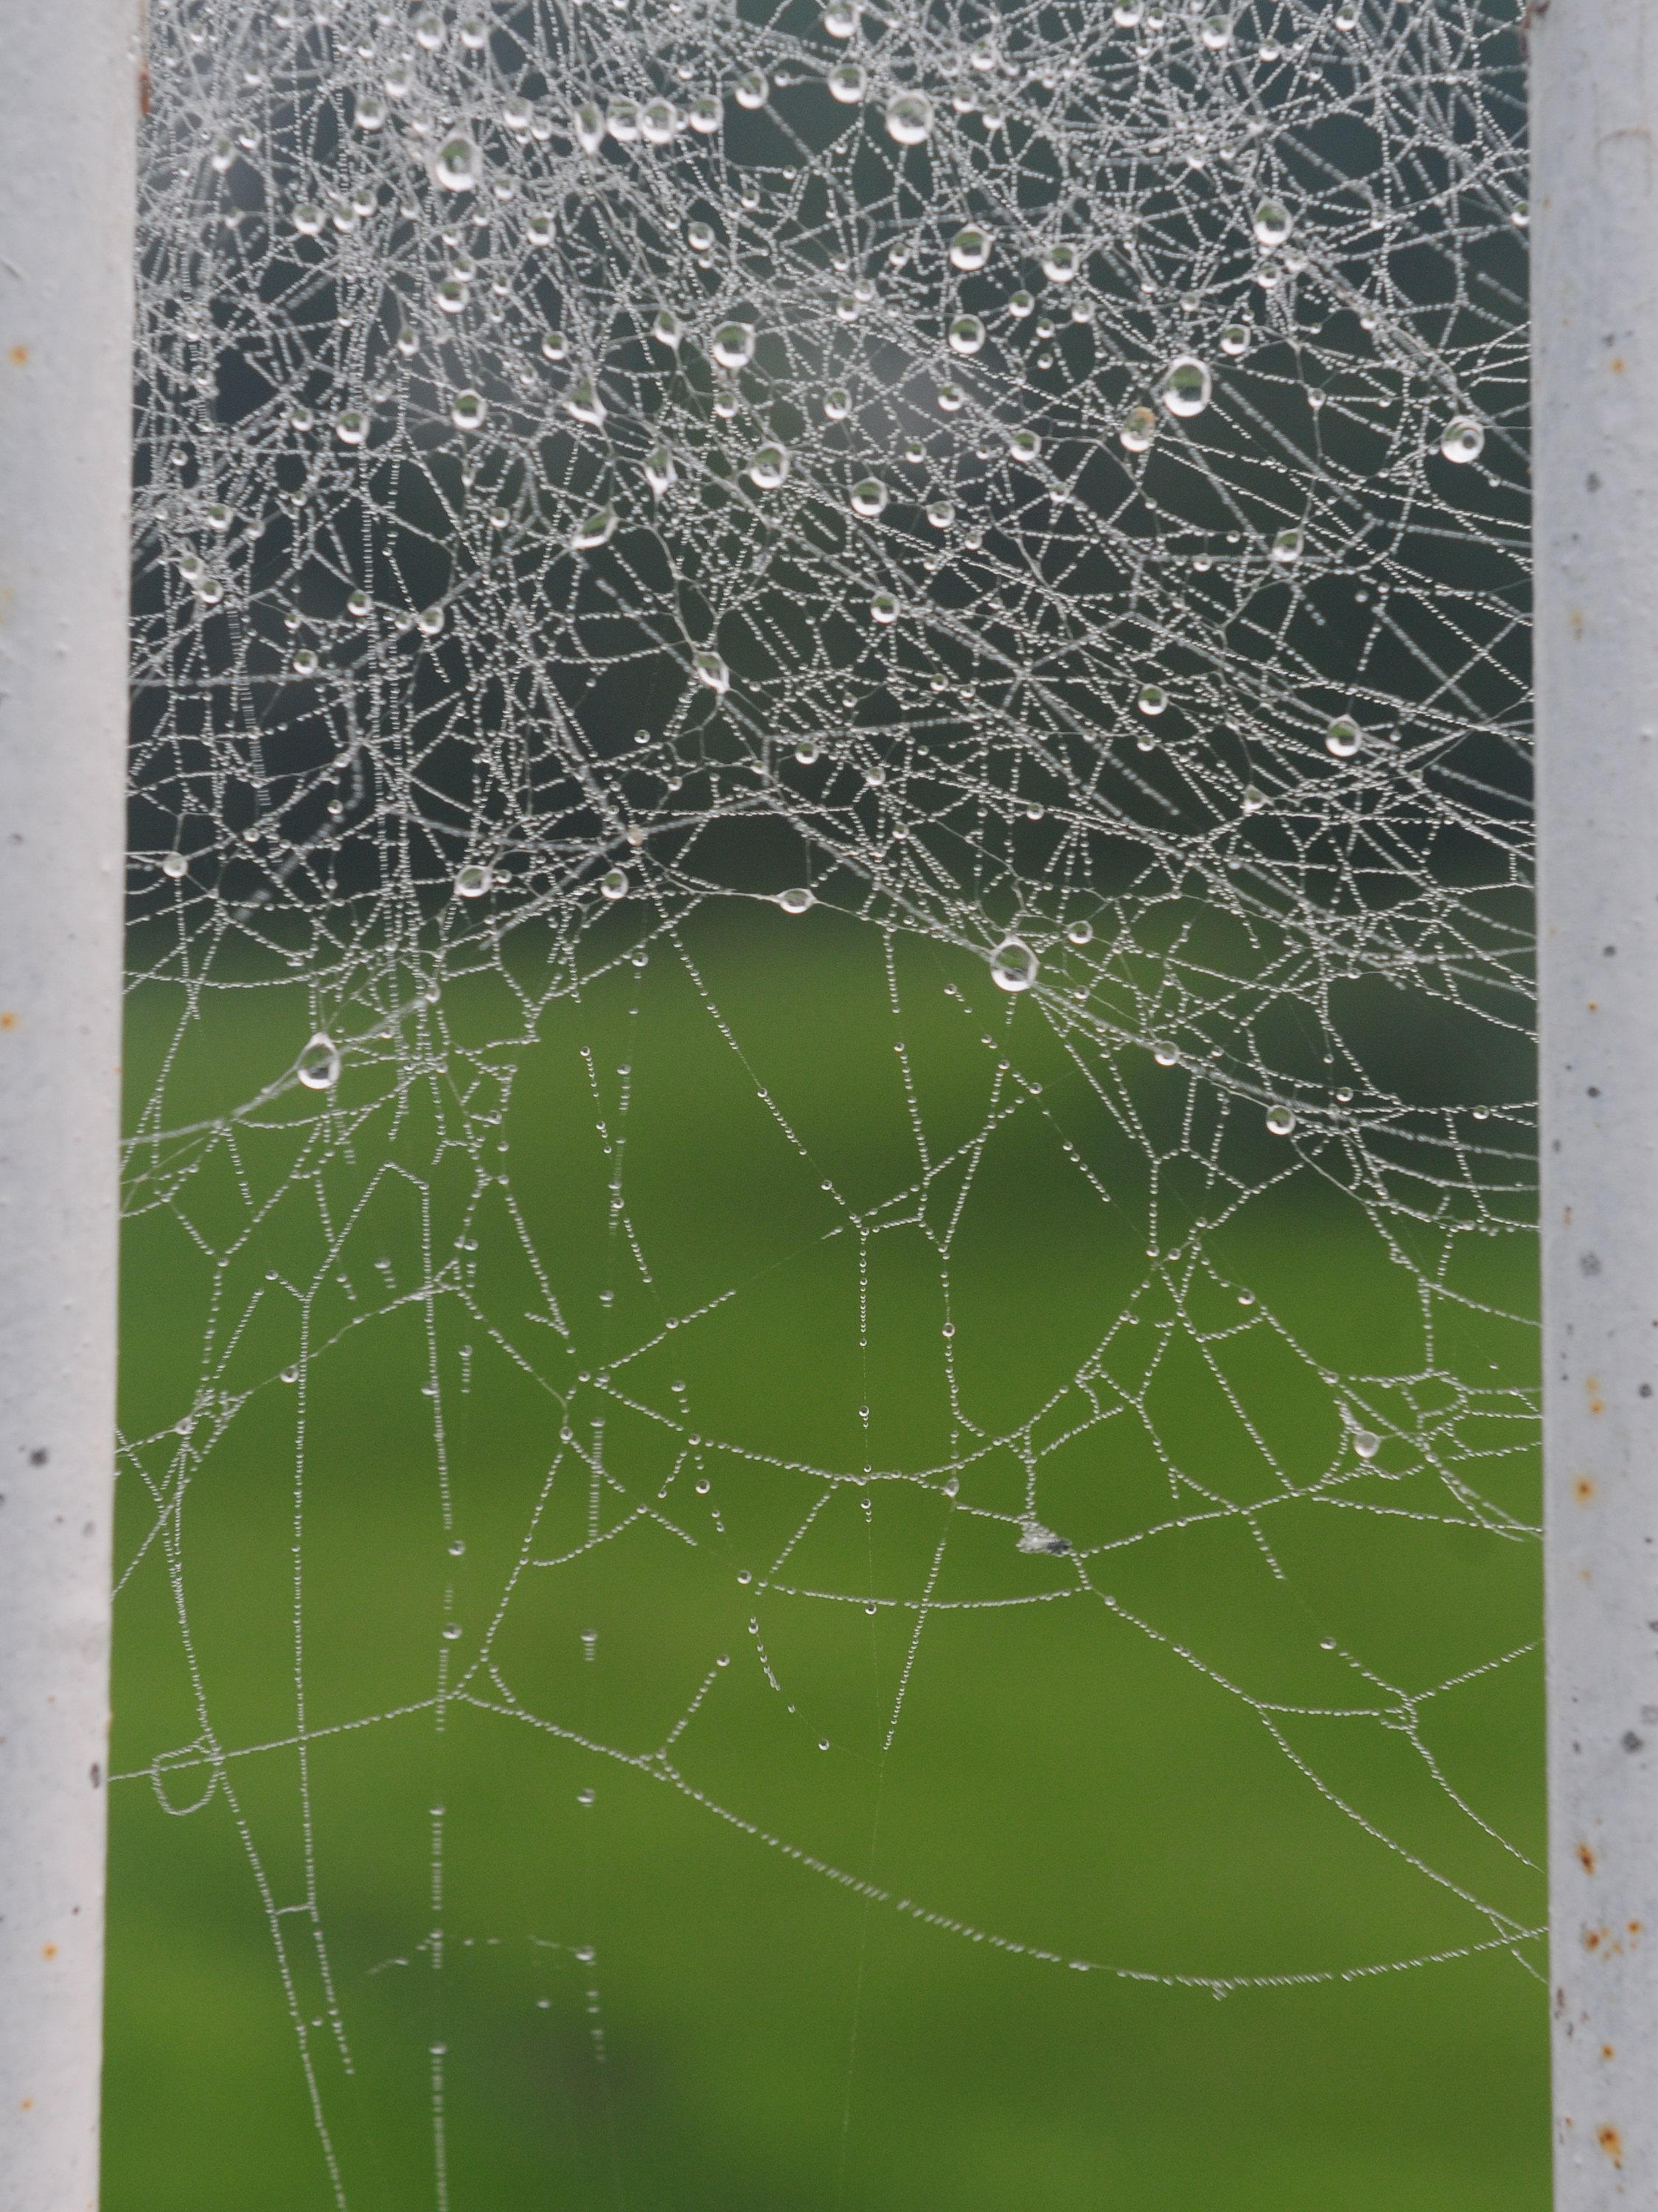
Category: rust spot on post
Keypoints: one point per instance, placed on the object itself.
(19, 357)
(1612, 2143)
(1585, 1858)
(1582, 1489)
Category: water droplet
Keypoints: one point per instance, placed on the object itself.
(1235, 340)
(1280, 1120)
(1272, 223)
(732, 345)
(585, 1796)
(796, 902)
(848, 82)
(909, 119)
(1286, 549)
(472, 881)
(704, 115)
(588, 120)
(1366, 1444)
(837, 405)
(1464, 439)
(305, 662)
(1187, 388)
(769, 468)
(940, 513)
(1153, 699)
(658, 120)
(1080, 933)
(841, 19)
(751, 90)
(660, 471)
(582, 400)
(1013, 964)
(613, 884)
(308, 221)
(1061, 264)
(869, 497)
(971, 247)
(967, 334)
(554, 345)
(1216, 33)
(174, 865)
(371, 112)
(622, 121)
(290, 1375)
(469, 410)
(884, 608)
(711, 670)
(595, 528)
(429, 621)
(319, 1064)
(667, 329)
(457, 165)
(1166, 1055)
(1137, 429)
(1343, 738)
(1025, 445)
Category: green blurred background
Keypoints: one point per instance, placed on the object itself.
(407, 1918)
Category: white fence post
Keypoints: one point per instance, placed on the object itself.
(1595, 105)
(69, 94)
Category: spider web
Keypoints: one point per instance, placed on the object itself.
(1004, 528)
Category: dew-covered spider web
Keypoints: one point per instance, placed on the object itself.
(829, 1192)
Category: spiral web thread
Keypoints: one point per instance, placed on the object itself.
(1046, 483)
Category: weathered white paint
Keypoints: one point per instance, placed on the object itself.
(1594, 99)
(68, 93)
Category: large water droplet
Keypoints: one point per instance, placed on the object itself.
(613, 883)
(848, 82)
(660, 471)
(711, 670)
(469, 410)
(1286, 548)
(869, 497)
(457, 164)
(595, 528)
(1187, 388)
(319, 1064)
(795, 902)
(967, 334)
(1280, 1120)
(751, 90)
(667, 329)
(1273, 222)
(971, 247)
(732, 345)
(1061, 264)
(769, 468)
(1343, 738)
(1139, 427)
(909, 119)
(472, 881)
(1013, 964)
(1463, 439)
